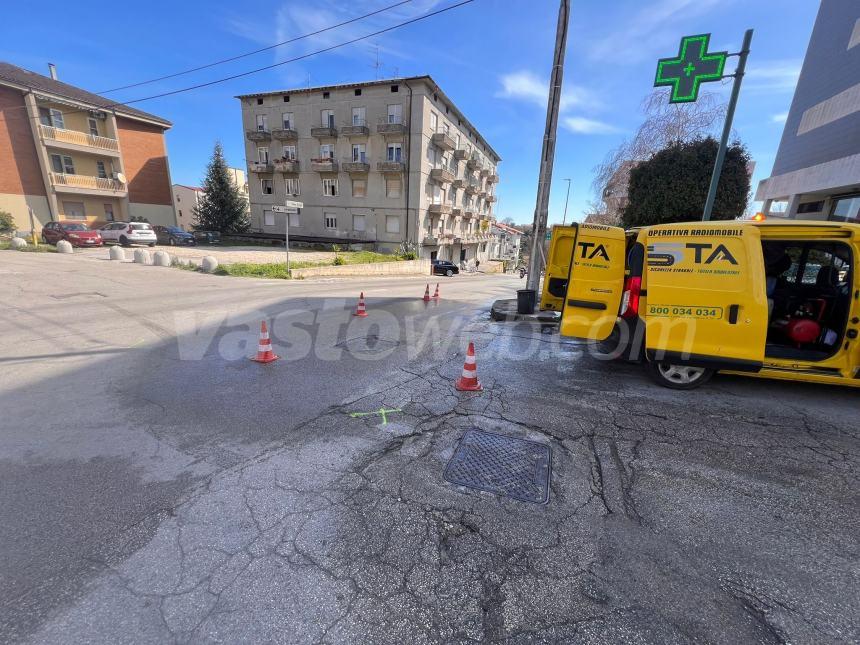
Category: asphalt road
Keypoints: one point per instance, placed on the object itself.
(156, 486)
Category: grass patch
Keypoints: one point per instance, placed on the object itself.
(39, 248)
(248, 270)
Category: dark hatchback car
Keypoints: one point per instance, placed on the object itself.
(74, 232)
(173, 236)
(207, 237)
(445, 267)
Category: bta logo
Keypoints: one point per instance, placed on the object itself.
(591, 250)
(663, 254)
(719, 253)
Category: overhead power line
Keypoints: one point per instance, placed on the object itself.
(257, 51)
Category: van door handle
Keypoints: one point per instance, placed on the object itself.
(733, 314)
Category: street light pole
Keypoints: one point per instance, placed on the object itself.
(727, 127)
(566, 198)
(548, 151)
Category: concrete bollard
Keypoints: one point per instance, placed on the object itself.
(18, 243)
(209, 264)
(64, 247)
(117, 253)
(142, 256)
(162, 259)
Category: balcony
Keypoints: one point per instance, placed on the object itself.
(355, 165)
(287, 165)
(442, 175)
(474, 162)
(74, 140)
(492, 178)
(439, 209)
(324, 165)
(356, 129)
(430, 241)
(461, 154)
(468, 211)
(86, 184)
(387, 126)
(443, 141)
(324, 132)
(457, 211)
(259, 166)
(492, 199)
(459, 183)
(390, 166)
(258, 135)
(285, 134)
(472, 188)
(485, 171)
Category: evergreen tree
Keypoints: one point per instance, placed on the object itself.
(673, 184)
(221, 207)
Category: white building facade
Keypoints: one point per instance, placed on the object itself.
(376, 164)
(505, 242)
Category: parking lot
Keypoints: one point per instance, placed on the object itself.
(157, 486)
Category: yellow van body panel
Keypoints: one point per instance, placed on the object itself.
(706, 302)
(557, 268)
(595, 282)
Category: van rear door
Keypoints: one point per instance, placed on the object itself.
(557, 268)
(595, 282)
(706, 304)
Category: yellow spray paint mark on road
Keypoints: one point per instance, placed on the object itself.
(383, 412)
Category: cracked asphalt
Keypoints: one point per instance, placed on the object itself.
(158, 488)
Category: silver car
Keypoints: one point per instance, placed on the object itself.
(128, 233)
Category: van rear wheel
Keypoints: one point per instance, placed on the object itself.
(679, 377)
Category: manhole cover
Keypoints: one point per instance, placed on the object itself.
(516, 468)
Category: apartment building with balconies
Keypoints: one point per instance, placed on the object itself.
(68, 154)
(374, 163)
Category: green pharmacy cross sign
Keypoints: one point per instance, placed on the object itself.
(693, 66)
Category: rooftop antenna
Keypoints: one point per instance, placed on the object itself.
(376, 66)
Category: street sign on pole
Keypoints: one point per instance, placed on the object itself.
(289, 208)
(693, 66)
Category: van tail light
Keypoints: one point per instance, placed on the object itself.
(630, 299)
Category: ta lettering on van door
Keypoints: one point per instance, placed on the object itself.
(668, 254)
(592, 250)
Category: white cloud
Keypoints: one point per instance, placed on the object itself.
(779, 118)
(581, 125)
(528, 86)
(772, 76)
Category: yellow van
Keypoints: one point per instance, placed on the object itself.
(768, 299)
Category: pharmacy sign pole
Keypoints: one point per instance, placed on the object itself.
(693, 66)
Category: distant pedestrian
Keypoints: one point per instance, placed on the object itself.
(477, 264)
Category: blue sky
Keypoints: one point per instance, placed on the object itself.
(492, 57)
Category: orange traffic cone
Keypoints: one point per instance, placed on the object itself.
(360, 311)
(264, 348)
(436, 294)
(427, 293)
(469, 382)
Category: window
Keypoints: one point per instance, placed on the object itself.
(286, 99)
(266, 186)
(263, 155)
(434, 121)
(294, 220)
(94, 126)
(259, 101)
(331, 221)
(290, 153)
(327, 118)
(395, 113)
(262, 122)
(287, 118)
(359, 151)
(63, 164)
(292, 186)
(395, 88)
(180, 213)
(326, 95)
(109, 213)
(327, 151)
(810, 207)
(358, 223)
(57, 119)
(392, 186)
(100, 170)
(446, 128)
(358, 116)
(395, 151)
(359, 187)
(74, 210)
(392, 224)
(329, 187)
(431, 155)
(358, 91)
(846, 209)
(268, 218)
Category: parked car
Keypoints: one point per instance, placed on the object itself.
(128, 233)
(173, 236)
(73, 232)
(445, 267)
(207, 237)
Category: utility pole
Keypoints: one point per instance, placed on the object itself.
(566, 198)
(547, 154)
(727, 127)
